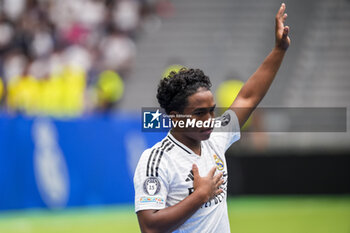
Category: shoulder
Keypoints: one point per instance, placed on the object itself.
(162, 147)
(154, 157)
(229, 117)
(228, 132)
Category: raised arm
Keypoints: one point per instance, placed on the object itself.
(170, 218)
(258, 84)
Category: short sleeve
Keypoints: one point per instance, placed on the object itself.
(150, 182)
(228, 133)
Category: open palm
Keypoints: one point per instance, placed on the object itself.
(282, 38)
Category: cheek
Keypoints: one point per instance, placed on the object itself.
(207, 116)
(197, 135)
(212, 114)
(196, 119)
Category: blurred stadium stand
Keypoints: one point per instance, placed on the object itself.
(53, 52)
(219, 37)
(320, 77)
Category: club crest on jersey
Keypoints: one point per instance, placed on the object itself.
(225, 119)
(151, 186)
(218, 162)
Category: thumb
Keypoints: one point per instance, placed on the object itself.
(285, 32)
(195, 170)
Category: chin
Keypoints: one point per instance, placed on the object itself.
(200, 136)
(204, 136)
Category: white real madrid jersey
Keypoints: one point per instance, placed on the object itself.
(164, 176)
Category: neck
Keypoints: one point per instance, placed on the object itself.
(194, 145)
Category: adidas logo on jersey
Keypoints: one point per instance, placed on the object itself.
(190, 177)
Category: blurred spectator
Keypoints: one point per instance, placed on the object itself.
(109, 89)
(126, 15)
(53, 52)
(2, 90)
(117, 52)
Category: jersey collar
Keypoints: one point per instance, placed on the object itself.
(179, 144)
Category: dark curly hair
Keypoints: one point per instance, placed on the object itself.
(173, 90)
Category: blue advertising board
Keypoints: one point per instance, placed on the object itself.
(50, 163)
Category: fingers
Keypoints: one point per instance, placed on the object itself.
(281, 10)
(281, 16)
(218, 181)
(285, 32)
(217, 177)
(195, 170)
(217, 192)
(218, 184)
(212, 171)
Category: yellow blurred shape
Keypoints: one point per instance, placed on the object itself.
(111, 86)
(23, 93)
(59, 95)
(227, 92)
(62, 95)
(72, 90)
(1, 88)
(172, 68)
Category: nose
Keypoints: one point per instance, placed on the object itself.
(208, 116)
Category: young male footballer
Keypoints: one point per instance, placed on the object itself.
(181, 182)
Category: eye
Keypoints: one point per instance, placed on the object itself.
(199, 113)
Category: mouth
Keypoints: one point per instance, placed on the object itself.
(207, 131)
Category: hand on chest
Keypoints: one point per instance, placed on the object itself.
(182, 184)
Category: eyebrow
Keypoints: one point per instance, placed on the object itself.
(204, 109)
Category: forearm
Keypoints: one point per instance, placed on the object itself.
(258, 84)
(170, 218)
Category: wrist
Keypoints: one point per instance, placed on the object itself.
(279, 50)
(201, 196)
